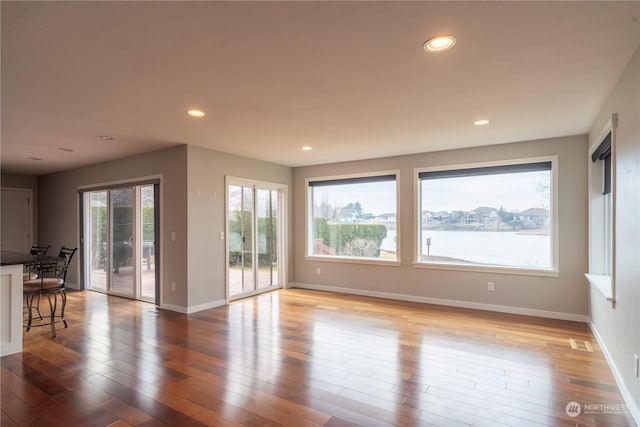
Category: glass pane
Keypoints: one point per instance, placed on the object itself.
(122, 238)
(96, 247)
(273, 244)
(499, 220)
(240, 213)
(267, 238)
(147, 243)
(234, 234)
(355, 220)
(248, 283)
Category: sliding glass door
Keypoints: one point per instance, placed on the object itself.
(241, 278)
(254, 236)
(267, 237)
(120, 241)
(121, 253)
(96, 222)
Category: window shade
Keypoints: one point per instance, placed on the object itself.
(487, 170)
(603, 152)
(118, 185)
(359, 180)
(604, 149)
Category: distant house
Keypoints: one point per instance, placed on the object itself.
(440, 216)
(487, 215)
(471, 217)
(427, 216)
(532, 214)
(386, 217)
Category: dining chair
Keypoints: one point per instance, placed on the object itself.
(51, 282)
(38, 250)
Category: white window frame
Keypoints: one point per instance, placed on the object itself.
(553, 271)
(602, 224)
(309, 256)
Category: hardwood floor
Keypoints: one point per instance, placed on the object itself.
(305, 358)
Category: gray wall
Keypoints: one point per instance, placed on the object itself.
(618, 327)
(59, 210)
(10, 180)
(206, 215)
(192, 206)
(564, 294)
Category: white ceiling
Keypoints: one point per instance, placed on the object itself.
(349, 78)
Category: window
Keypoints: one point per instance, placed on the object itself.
(353, 217)
(487, 216)
(602, 159)
(601, 213)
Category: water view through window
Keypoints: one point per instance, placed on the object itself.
(354, 217)
(496, 216)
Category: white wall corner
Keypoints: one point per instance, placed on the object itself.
(574, 317)
(73, 286)
(626, 394)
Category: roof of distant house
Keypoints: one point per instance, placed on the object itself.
(534, 212)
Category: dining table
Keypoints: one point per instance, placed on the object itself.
(12, 267)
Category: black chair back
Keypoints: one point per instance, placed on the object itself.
(67, 254)
(39, 250)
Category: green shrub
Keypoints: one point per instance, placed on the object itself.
(337, 236)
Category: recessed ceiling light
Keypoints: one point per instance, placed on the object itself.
(306, 148)
(34, 158)
(195, 113)
(105, 138)
(482, 122)
(67, 149)
(439, 43)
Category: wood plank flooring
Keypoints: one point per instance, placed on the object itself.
(305, 358)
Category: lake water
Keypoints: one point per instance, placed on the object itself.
(487, 247)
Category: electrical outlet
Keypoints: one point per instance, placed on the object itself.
(173, 286)
(318, 271)
(636, 364)
(491, 286)
(221, 235)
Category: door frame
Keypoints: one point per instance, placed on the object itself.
(156, 181)
(283, 192)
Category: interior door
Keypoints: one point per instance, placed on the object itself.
(16, 220)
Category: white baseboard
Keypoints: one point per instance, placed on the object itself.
(172, 307)
(626, 395)
(193, 308)
(206, 306)
(447, 302)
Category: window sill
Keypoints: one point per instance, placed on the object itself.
(488, 269)
(369, 261)
(602, 283)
